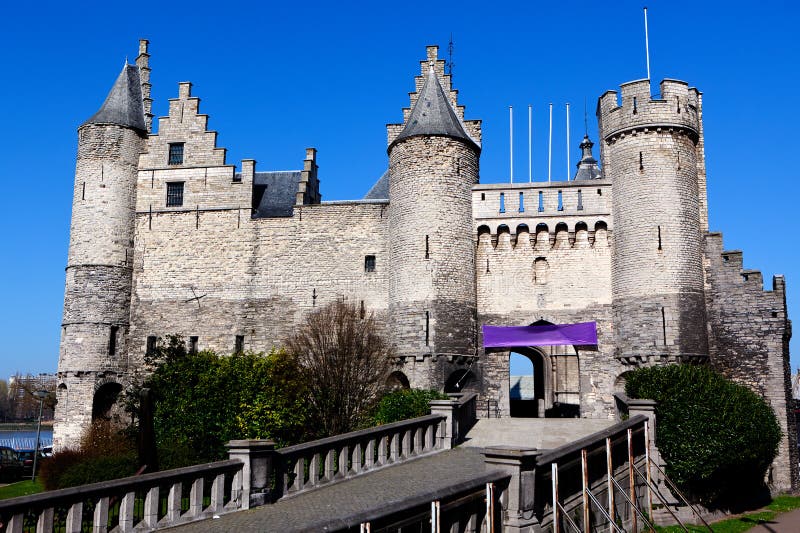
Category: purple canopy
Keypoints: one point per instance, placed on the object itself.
(584, 333)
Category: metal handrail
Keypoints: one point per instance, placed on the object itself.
(654, 489)
(604, 513)
(633, 506)
(675, 489)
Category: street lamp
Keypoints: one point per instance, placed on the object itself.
(41, 395)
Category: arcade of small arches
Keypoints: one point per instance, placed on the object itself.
(542, 235)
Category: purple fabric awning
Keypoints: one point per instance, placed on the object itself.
(584, 333)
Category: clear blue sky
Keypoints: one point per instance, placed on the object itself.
(278, 78)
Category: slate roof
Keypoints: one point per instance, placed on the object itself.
(274, 193)
(433, 114)
(587, 166)
(123, 105)
(379, 191)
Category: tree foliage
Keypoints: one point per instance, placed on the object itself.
(203, 400)
(404, 404)
(345, 362)
(717, 437)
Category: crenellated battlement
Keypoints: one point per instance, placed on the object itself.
(635, 109)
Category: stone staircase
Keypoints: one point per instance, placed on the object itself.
(541, 433)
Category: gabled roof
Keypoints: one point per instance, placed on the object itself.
(123, 105)
(433, 114)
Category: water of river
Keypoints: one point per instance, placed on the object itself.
(25, 440)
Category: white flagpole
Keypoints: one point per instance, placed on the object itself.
(530, 146)
(511, 141)
(646, 43)
(550, 146)
(569, 167)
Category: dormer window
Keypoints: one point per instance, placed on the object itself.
(175, 154)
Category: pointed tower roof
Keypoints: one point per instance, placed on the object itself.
(433, 114)
(587, 166)
(123, 105)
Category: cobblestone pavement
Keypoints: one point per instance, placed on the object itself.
(339, 505)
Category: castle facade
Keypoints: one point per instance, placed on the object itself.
(168, 238)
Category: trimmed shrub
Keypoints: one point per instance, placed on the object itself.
(717, 437)
(404, 404)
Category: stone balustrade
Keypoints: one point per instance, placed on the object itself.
(145, 502)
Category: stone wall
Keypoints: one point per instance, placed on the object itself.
(749, 335)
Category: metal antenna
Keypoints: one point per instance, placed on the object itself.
(450, 59)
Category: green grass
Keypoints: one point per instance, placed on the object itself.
(780, 504)
(20, 488)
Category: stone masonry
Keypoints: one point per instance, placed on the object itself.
(167, 237)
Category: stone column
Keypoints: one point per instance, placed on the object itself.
(258, 457)
(447, 429)
(519, 503)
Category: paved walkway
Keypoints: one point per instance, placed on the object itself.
(347, 503)
(542, 433)
(783, 523)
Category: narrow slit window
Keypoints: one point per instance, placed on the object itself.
(664, 325)
(521, 202)
(83, 191)
(175, 194)
(151, 345)
(580, 200)
(362, 312)
(502, 202)
(483, 196)
(659, 237)
(175, 154)
(427, 247)
(193, 341)
(541, 201)
(238, 346)
(112, 340)
(560, 201)
(427, 328)
(634, 105)
(369, 263)
(641, 161)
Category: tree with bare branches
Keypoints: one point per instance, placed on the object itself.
(345, 361)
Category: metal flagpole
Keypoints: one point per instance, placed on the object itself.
(550, 146)
(646, 43)
(530, 145)
(511, 140)
(568, 163)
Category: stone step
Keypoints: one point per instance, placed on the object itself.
(542, 433)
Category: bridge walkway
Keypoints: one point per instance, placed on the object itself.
(368, 497)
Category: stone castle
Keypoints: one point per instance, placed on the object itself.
(168, 238)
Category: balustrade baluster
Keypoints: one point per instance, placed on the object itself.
(174, 502)
(196, 498)
(356, 458)
(218, 493)
(394, 447)
(406, 444)
(313, 470)
(329, 455)
(430, 437)
(15, 524)
(236, 488)
(100, 523)
(344, 454)
(74, 518)
(126, 506)
(151, 508)
(383, 444)
(300, 473)
(45, 522)
(418, 435)
(369, 454)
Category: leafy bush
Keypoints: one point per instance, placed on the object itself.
(718, 438)
(94, 469)
(404, 404)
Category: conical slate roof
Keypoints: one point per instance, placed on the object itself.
(433, 114)
(587, 166)
(123, 105)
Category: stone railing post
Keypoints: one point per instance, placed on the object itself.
(520, 464)
(448, 430)
(648, 409)
(258, 457)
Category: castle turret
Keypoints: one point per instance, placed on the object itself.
(649, 151)
(92, 362)
(433, 164)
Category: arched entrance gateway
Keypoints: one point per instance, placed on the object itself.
(543, 366)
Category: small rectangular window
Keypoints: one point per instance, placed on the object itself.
(112, 340)
(502, 202)
(239, 345)
(151, 345)
(541, 201)
(521, 202)
(560, 201)
(369, 263)
(193, 344)
(175, 194)
(175, 154)
(580, 200)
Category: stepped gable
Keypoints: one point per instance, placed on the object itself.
(123, 105)
(434, 115)
(274, 193)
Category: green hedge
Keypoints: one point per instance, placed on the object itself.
(717, 437)
(405, 404)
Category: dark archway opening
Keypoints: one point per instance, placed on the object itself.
(526, 385)
(104, 399)
(397, 381)
(461, 380)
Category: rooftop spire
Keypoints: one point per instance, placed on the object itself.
(433, 114)
(587, 166)
(123, 105)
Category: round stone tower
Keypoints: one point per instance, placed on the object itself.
(433, 164)
(93, 355)
(649, 151)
